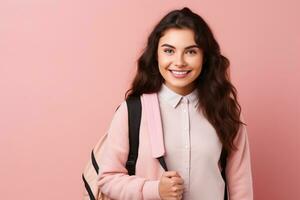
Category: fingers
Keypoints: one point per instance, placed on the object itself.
(177, 191)
(171, 174)
(171, 186)
(177, 180)
(180, 197)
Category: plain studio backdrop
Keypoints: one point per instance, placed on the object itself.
(65, 66)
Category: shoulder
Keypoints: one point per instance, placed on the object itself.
(121, 107)
(120, 117)
(241, 138)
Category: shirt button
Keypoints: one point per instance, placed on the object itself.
(186, 146)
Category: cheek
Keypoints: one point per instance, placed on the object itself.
(199, 64)
(163, 71)
(198, 70)
(163, 61)
(197, 61)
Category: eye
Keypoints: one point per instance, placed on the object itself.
(168, 50)
(192, 51)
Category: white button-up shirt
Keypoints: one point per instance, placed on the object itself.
(192, 145)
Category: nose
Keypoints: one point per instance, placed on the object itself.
(180, 62)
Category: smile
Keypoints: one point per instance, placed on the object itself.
(180, 74)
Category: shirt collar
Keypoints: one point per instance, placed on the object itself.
(173, 98)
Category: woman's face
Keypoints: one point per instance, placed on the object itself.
(179, 60)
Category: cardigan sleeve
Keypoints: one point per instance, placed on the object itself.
(113, 178)
(238, 168)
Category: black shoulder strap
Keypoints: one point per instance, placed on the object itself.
(134, 120)
(134, 107)
(223, 160)
(163, 163)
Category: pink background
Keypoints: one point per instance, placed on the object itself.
(65, 67)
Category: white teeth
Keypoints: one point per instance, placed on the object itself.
(179, 73)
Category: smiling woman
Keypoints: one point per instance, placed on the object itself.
(180, 63)
(192, 143)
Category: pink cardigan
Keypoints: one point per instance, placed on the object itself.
(117, 184)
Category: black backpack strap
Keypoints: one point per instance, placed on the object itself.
(134, 119)
(163, 163)
(134, 108)
(88, 188)
(223, 160)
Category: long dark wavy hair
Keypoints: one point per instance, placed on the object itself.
(217, 95)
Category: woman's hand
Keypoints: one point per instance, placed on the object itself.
(171, 186)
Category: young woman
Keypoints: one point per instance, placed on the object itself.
(184, 85)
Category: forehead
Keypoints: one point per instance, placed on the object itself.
(178, 37)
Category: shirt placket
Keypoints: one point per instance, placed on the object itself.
(186, 136)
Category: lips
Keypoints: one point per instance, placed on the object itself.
(179, 70)
(179, 73)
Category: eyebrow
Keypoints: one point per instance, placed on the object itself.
(188, 47)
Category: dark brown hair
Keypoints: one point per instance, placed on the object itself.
(217, 95)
